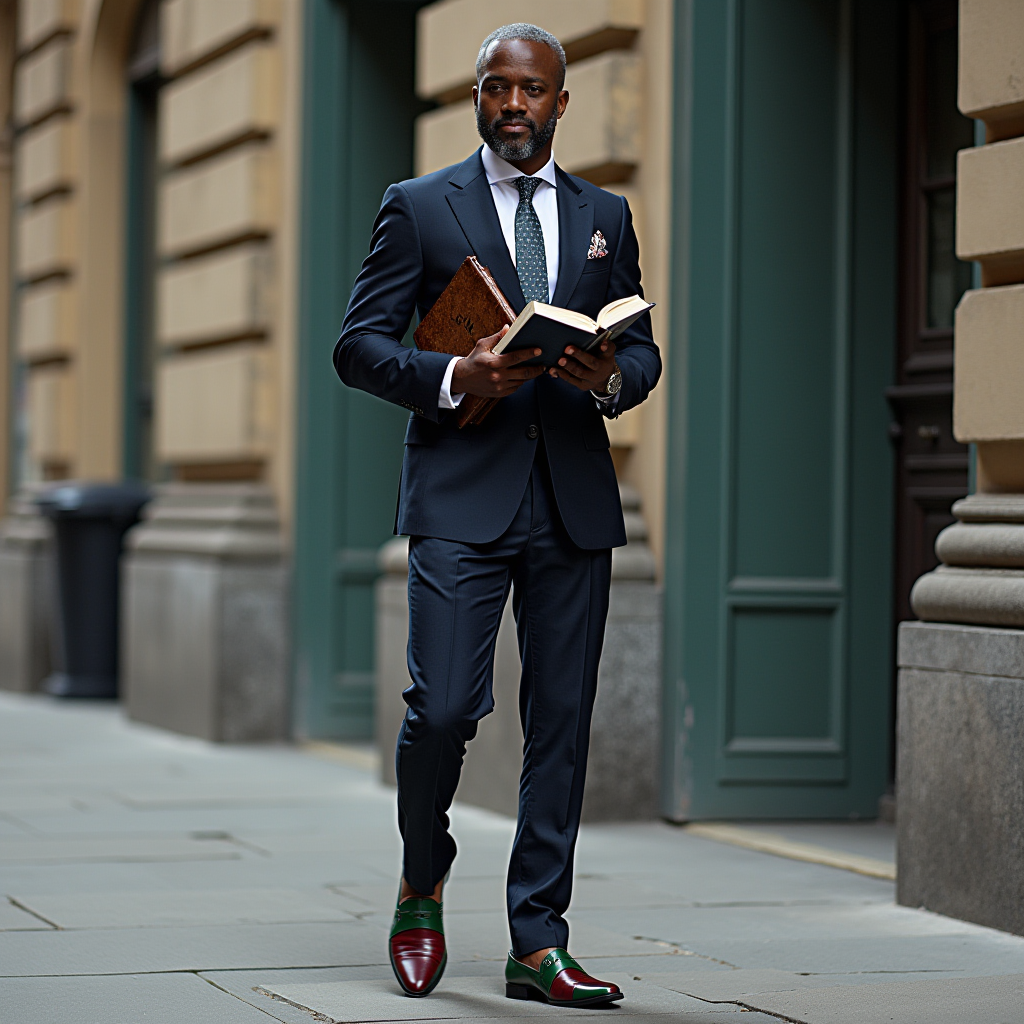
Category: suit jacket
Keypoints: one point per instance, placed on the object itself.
(466, 485)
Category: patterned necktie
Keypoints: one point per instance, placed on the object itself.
(531, 260)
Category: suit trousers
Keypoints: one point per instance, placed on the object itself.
(456, 595)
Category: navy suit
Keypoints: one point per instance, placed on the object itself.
(527, 500)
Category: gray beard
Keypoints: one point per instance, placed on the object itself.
(513, 151)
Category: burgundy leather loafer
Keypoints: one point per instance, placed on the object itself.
(417, 948)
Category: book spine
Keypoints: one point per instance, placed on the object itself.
(495, 291)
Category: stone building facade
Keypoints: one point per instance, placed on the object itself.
(190, 188)
(961, 712)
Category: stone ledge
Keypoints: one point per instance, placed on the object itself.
(222, 521)
(971, 650)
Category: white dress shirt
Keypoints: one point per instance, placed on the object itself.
(500, 176)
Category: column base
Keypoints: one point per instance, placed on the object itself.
(960, 772)
(26, 596)
(204, 614)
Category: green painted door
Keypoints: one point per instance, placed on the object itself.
(778, 562)
(359, 109)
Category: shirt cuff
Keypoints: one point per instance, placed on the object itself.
(607, 401)
(446, 400)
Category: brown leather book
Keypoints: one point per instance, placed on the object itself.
(470, 308)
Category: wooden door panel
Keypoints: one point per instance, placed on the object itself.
(773, 709)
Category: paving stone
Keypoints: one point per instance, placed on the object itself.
(465, 999)
(138, 950)
(13, 918)
(998, 1000)
(469, 894)
(125, 999)
(11, 826)
(743, 984)
(107, 848)
(777, 922)
(876, 839)
(197, 907)
(839, 955)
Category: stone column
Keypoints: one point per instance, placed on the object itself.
(205, 612)
(26, 592)
(624, 754)
(960, 719)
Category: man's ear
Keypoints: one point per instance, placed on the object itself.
(563, 102)
(476, 94)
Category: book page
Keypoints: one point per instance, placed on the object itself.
(620, 309)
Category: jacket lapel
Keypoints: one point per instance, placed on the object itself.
(575, 228)
(473, 206)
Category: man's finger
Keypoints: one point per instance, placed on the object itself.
(577, 369)
(566, 374)
(589, 361)
(519, 356)
(492, 339)
(525, 373)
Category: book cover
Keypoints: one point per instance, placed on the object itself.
(470, 308)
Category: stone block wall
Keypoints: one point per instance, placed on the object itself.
(222, 331)
(47, 226)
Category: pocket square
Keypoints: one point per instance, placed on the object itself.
(598, 247)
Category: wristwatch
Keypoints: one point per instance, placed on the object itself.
(614, 383)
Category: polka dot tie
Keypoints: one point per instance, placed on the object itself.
(531, 260)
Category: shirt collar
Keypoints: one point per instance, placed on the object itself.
(498, 170)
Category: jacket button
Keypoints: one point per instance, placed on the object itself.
(532, 432)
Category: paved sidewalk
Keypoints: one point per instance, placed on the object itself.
(150, 878)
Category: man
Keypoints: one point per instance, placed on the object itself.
(527, 500)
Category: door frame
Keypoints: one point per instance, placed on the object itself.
(320, 312)
(348, 444)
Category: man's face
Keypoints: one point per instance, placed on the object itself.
(518, 99)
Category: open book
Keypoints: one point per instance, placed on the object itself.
(551, 328)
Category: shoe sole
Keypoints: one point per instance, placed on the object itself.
(513, 991)
(430, 988)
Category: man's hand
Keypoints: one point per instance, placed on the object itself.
(588, 371)
(486, 375)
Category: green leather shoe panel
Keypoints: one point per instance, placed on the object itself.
(418, 912)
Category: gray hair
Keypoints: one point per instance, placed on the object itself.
(520, 30)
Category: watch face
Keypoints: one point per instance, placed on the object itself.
(614, 383)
